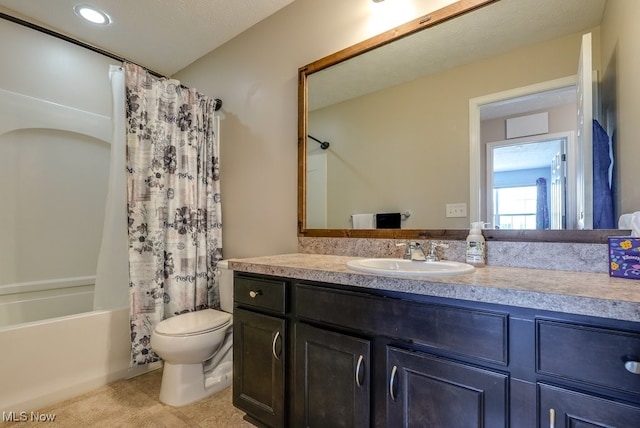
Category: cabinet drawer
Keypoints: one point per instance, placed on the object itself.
(260, 293)
(587, 354)
(564, 408)
(471, 332)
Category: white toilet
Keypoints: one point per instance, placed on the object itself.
(197, 349)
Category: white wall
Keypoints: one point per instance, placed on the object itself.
(255, 74)
(52, 182)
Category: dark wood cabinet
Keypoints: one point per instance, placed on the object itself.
(564, 408)
(260, 343)
(259, 366)
(429, 391)
(311, 354)
(333, 377)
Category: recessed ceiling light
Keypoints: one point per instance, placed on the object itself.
(92, 14)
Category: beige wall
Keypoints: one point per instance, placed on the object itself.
(407, 147)
(255, 75)
(621, 65)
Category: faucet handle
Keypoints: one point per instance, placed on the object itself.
(438, 244)
(432, 256)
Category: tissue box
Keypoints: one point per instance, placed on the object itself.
(624, 257)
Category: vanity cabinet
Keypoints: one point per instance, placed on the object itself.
(565, 408)
(357, 357)
(260, 340)
(409, 384)
(332, 379)
(429, 391)
(586, 356)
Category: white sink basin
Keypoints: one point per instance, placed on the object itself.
(410, 267)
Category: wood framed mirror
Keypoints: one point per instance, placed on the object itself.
(450, 174)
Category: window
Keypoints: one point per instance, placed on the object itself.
(515, 207)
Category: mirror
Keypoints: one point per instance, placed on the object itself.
(407, 149)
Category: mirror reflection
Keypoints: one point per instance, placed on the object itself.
(433, 126)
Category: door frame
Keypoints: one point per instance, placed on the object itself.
(571, 151)
(476, 165)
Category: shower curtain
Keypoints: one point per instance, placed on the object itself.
(173, 202)
(542, 203)
(111, 289)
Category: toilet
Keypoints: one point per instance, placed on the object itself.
(197, 349)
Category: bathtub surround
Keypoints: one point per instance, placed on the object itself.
(173, 203)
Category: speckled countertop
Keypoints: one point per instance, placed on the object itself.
(594, 294)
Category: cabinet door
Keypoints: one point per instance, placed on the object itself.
(332, 379)
(258, 366)
(562, 408)
(427, 391)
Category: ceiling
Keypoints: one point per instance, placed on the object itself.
(468, 38)
(162, 35)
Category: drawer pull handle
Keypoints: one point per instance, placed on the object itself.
(632, 366)
(393, 386)
(254, 294)
(273, 345)
(552, 418)
(360, 371)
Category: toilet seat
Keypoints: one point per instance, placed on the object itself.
(194, 323)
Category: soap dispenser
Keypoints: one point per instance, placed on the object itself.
(476, 248)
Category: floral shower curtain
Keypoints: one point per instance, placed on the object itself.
(173, 202)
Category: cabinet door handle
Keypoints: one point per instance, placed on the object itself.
(273, 345)
(632, 366)
(253, 294)
(552, 418)
(392, 383)
(360, 371)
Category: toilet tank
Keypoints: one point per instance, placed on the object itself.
(226, 286)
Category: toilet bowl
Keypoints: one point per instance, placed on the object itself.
(197, 349)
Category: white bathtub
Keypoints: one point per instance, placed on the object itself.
(45, 362)
(54, 346)
(40, 300)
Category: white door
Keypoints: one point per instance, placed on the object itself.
(584, 166)
(557, 189)
(317, 191)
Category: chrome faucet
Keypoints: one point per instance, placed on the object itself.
(413, 251)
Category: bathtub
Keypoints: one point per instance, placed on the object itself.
(40, 300)
(55, 346)
(47, 361)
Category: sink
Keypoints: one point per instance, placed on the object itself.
(410, 267)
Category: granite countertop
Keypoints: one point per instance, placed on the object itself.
(593, 294)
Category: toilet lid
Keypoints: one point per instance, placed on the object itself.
(194, 323)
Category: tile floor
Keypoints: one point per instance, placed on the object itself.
(134, 403)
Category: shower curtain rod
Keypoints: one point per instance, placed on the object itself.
(82, 44)
(324, 145)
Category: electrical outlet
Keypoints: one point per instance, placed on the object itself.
(457, 210)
